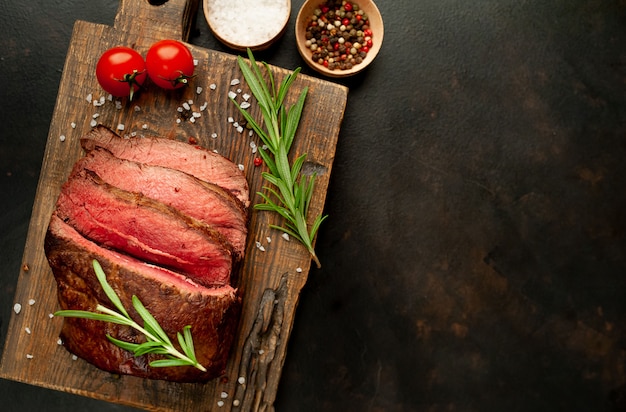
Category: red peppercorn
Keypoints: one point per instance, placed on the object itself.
(367, 32)
(365, 49)
(358, 17)
(258, 161)
(347, 6)
(325, 9)
(345, 21)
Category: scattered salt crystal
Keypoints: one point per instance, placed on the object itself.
(110, 97)
(246, 96)
(223, 395)
(133, 134)
(186, 106)
(96, 115)
(238, 91)
(59, 341)
(196, 114)
(215, 151)
(269, 239)
(178, 121)
(27, 330)
(285, 236)
(230, 119)
(62, 138)
(253, 146)
(89, 97)
(214, 135)
(102, 100)
(204, 106)
(29, 356)
(257, 243)
(31, 302)
(74, 357)
(299, 270)
(240, 129)
(189, 101)
(144, 126)
(50, 315)
(241, 380)
(195, 62)
(192, 120)
(73, 125)
(260, 246)
(213, 86)
(232, 95)
(118, 105)
(244, 105)
(236, 124)
(120, 126)
(261, 351)
(137, 108)
(236, 402)
(251, 132)
(93, 123)
(198, 90)
(234, 82)
(17, 308)
(220, 403)
(240, 166)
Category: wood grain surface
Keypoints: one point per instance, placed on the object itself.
(271, 277)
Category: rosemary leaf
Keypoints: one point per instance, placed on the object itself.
(280, 124)
(157, 341)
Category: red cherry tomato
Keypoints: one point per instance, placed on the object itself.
(169, 64)
(121, 71)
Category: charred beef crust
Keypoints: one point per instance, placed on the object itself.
(204, 201)
(144, 228)
(212, 314)
(157, 151)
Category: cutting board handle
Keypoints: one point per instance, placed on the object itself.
(146, 21)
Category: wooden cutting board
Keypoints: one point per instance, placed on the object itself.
(272, 275)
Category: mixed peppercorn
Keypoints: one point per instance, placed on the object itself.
(338, 35)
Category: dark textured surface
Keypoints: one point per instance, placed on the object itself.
(475, 257)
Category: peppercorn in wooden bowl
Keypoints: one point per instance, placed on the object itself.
(339, 38)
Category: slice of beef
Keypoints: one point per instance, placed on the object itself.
(204, 201)
(172, 299)
(144, 228)
(194, 160)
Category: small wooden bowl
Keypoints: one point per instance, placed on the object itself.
(376, 25)
(228, 29)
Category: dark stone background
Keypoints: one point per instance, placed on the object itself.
(474, 259)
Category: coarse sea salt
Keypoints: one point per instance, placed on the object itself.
(31, 302)
(249, 22)
(17, 308)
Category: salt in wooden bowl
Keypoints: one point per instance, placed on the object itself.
(243, 24)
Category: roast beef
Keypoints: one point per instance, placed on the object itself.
(194, 160)
(175, 301)
(204, 201)
(144, 228)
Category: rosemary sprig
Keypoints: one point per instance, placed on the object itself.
(290, 193)
(157, 341)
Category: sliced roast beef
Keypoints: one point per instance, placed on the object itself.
(173, 300)
(144, 228)
(194, 160)
(204, 201)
